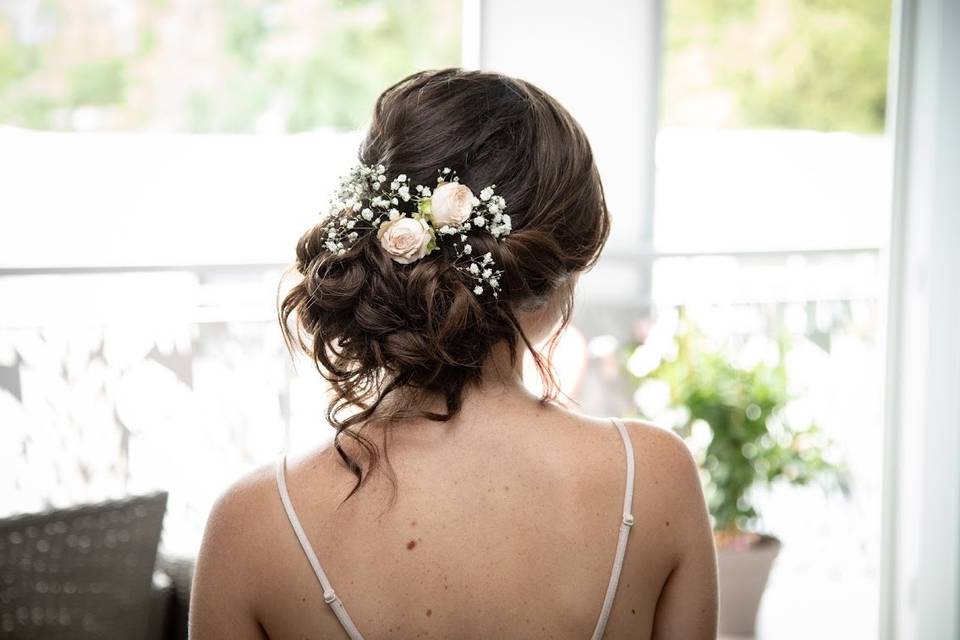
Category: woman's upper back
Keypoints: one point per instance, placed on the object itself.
(497, 530)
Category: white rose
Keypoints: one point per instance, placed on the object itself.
(405, 239)
(451, 204)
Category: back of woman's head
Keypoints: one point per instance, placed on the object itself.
(377, 328)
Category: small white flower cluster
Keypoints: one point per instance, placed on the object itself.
(480, 270)
(361, 203)
(365, 201)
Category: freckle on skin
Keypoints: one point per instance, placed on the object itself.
(668, 523)
(411, 545)
(429, 612)
(506, 487)
(633, 611)
(413, 523)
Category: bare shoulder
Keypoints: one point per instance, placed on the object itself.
(250, 509)
(242, 519)
(676, 515)
(658, 451)
(661, 449)
(240, 508)
(666, 473)
(665, 463)
(232, 554)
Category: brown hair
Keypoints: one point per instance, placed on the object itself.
(374, 327)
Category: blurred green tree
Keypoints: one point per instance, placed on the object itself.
(811, 64)
(796, 64)
(225, 66)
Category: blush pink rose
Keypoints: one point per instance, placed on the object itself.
(405, 239)
(451, 204)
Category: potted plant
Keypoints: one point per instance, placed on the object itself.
(732, 414)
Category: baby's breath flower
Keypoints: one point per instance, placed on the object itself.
(367, 200)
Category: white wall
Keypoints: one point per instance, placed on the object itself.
(921, 582)
(134, 199)
(600, 59)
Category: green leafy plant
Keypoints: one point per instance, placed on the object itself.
(736, 417)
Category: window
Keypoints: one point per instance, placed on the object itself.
(772, 194)
(159, 161)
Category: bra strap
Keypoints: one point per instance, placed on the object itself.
(329, 595)
(625, 525)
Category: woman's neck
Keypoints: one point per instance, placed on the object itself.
(501, 380)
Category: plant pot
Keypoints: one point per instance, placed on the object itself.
(743, 574)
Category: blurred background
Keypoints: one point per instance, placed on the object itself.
(762, 292)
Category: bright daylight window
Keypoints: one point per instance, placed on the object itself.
(772, 192)
(161, 158)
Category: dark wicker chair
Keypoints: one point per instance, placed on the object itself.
(173, 598)
(80, 573)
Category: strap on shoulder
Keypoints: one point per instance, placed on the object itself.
(631, 470)
(626, 523)
(329, 595)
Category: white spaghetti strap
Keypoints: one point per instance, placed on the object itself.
(625, 524)
(329, 595)
(331, 598)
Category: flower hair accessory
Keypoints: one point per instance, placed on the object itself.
(409, 224)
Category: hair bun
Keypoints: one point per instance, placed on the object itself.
(376, 324)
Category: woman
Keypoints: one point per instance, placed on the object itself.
(453, 503)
